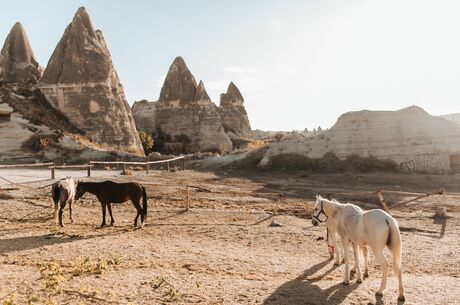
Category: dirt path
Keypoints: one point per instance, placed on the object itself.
(222, 251)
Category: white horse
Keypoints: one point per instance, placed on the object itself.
(374, 228)
(336, 250)
(63, 191)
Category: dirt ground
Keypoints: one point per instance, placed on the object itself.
(222, 250)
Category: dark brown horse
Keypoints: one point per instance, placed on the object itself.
(109, 192)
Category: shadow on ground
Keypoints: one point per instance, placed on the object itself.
(304, 291)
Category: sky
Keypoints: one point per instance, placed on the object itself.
(298, 63)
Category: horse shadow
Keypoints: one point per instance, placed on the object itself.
(303, 290)
(33, 242)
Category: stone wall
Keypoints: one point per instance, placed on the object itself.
(427, 163)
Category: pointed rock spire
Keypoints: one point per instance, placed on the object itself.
(185, 109)
(233, 95)
(17, 61)
(201, 94)
(80, 80)
(234, 116)
(179, 83)
(80, 56)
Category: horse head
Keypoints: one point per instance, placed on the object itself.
(79, 192)
(318, 212)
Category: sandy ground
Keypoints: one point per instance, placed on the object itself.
(222, 250)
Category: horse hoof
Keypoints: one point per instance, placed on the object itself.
(366, 274)
(379, 294)
(401, 298)
(337, 263)
(346, 283)
(359, 281)
(353, 271)
(111, 224)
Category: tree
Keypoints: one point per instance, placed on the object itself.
(146, 141)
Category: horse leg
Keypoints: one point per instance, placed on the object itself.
(346, 254)
(70, 210)
(61, 211)
(103, 205)
(56, 208)
(384, 265)
(139, 212)
(109, 206)
(366, 261)
(333, 238)
(357, 263)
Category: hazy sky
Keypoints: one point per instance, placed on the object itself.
(298, 63)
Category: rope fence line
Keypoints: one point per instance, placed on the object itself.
(416, 196)
(185, 188)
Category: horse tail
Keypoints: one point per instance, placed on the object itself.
(144, 202)
(394, 244)
(56, 193)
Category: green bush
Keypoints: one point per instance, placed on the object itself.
(147, 142)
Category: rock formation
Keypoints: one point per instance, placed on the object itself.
(81, 82)
(410, 137)
(144, 115)
(453, 117)
(32, 130)
(233, 114)
(185, 110)
(208, 133)
(17, 61)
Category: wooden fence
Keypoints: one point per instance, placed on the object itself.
(52, 166)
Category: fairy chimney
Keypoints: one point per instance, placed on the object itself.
(17, 60)
(233, 114)
(80, 80)
(185, 109)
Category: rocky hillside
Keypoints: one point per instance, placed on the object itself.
(408, 139)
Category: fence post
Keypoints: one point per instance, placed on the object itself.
(52, 171)
(167, 163)
(382, 201)
(183, 163)
(187, 203)
(89, 169)
(124, 167)
(147, 167)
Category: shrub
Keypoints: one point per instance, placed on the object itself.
(146, 141)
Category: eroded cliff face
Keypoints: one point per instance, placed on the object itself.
(409, 137)
(184, 109)
(32, 130)
(209, 133)
(144, 115)
(234, 116)
(80, 81)
(17, 60)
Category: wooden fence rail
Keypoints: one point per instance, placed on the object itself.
(146, 164)
(52, 166)
(33, 165)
